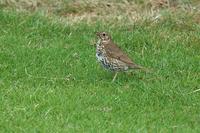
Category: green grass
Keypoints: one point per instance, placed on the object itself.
(50, 80)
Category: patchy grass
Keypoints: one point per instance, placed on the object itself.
(50, 80)
(126, 11)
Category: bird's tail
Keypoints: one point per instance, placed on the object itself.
(135, 66)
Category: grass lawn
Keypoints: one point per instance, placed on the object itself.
(50, 80)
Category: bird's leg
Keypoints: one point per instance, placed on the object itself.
(114, 76)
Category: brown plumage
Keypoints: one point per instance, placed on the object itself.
(111, 56)
(115, 52)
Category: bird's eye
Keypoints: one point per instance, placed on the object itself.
(104, 34)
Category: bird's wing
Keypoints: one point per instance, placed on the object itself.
(115, 52)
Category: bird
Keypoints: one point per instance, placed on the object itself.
(111, 57)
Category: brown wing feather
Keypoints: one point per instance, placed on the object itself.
(115, 52)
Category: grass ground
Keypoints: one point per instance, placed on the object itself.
(50, 80)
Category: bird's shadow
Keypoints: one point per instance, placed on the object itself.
(131, 76)
(122, 77)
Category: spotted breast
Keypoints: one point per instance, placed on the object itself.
(107, 62)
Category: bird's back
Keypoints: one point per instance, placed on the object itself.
(113, 51)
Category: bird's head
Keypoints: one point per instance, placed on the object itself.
(103, 36)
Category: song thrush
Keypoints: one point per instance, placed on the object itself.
(111, 56)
